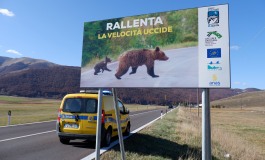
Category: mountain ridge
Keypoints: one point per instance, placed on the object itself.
(10, 65)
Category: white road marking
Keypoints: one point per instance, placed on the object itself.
(30, 135)
(143, 113)
(27, 124)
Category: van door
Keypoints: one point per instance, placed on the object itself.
(89, 123)
(70, 116)
(123, 115)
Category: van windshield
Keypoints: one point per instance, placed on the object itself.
(80, 105)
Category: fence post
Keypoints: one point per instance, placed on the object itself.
(9, 117)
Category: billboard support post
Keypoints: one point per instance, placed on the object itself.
(198, 105)
(117, 113)
(99, 116)
(206, 125)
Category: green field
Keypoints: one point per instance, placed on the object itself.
(27, 110)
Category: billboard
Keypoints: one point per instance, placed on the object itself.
(176, 49)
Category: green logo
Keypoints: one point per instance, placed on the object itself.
(218, 35)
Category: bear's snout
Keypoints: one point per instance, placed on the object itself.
(166, 58)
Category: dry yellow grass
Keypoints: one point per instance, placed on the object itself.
(27, 110)
(179, 134)
(240, 133)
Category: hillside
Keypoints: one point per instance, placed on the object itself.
(14, 65)
(29, 77)
(53, 82)
(247, 99)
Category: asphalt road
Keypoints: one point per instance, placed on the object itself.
(180, 70)
(39, 141)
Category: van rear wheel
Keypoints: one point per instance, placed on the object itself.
(107, 138)
(64, 140)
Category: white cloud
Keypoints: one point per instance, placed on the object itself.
(235, 47)
(13, 52)
(243, 84)
(237, 83)
(6, 12)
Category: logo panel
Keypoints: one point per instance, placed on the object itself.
(214, 81)
(214, 68)
(212, 38)
(214, 53)
(213, 17)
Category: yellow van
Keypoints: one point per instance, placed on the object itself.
(77, 118)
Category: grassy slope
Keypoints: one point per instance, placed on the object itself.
(250, 99)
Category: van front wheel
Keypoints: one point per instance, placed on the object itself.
(127, 130)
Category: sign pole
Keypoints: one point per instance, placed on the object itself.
(99, 116)
(206, 125)
(117, 111)
(198, 105)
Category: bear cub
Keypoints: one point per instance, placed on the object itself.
(102, 66)
(136, 58)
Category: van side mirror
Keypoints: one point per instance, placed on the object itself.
(121, 112)
(127, 111)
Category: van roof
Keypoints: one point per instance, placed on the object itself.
(104, 92)
(84, 95)
(81, 95)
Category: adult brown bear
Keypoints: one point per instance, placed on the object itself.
(136, 58)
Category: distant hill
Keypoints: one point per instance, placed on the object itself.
(29, 77)
(37, 78)
(14, 65)
(245, 99)
(165, 96)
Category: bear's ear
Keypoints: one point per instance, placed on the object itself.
(157, 49)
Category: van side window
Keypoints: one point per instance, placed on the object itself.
(72, 105)
(121, 107)
(91, 106)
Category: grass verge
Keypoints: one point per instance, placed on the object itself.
(161, 140)
(28, 110)
(178, 136)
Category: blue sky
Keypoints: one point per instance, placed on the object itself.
(53, 30)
